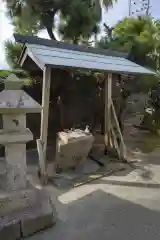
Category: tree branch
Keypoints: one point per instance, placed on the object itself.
(48, 20)
(50, 32)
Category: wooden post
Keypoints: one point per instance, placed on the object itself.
(45, 109)
(108, 101)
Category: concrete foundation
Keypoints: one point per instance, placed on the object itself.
(10, 230)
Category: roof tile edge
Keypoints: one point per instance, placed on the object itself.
(63, 45)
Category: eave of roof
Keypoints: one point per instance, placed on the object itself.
(55, 54)
(63, 45)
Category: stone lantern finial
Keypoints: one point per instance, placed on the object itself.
(12, 82)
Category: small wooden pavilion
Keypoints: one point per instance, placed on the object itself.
(46, 54)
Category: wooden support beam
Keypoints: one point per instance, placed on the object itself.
(115, 141)
(123, 150)
(42, 163)
(45, 109)
(108, 101)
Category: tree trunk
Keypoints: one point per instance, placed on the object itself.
(50, 33)
(48, 23)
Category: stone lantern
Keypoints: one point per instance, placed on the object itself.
(14, 105)
(24, 209)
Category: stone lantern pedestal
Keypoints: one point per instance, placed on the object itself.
(23, 208)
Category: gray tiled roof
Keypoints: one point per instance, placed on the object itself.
(61, 55)
(63, 45)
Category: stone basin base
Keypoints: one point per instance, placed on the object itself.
(24, 213)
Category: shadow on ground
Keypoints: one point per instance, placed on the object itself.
(91, 212)
(104, 216)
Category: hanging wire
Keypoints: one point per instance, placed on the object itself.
(139, 7)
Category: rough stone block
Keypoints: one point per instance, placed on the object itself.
(34, 224)
(72, 149)
(10, 230)
(32, 209)
(17, 201)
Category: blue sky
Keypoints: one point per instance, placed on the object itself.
(118, 12)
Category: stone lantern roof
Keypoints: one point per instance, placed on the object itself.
(16, 101)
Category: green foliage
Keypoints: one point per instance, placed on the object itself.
(28, 24)
(32, 16)
(139, 37)
(13, 51)
(146, 83)
(4, 74)
(24, 22)
(78, 20)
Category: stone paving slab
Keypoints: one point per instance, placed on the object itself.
(69, 178)
(88, 174)
(16, 201)
(31, 225)
(10, 230)
(25, 213)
